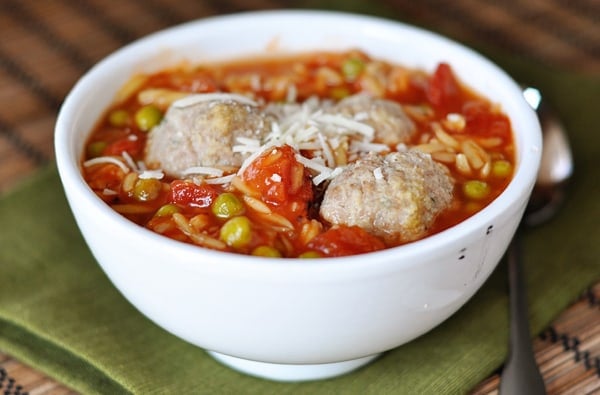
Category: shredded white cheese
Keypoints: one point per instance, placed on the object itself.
(365, 146)
(348, 123)
(312, 164)
(246, 145)
(309, 146)
(220, 180)
(109, 192)
(129, 160)
(203, 170)
(329, 158)
(107, 159)
(248, 141)
(321, 177)
(255, 82)
(327, 175)
(148, 174)
(254, 156)
(361, 116)
(291, 93)
(454, 117)
(401, 147)
(206, 97)
(336, 172)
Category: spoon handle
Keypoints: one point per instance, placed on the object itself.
(521, 374)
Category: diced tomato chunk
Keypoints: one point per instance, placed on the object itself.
(443, 91)
(500, 126)
(189, 194)
(105, 176)
(345, 240)
(481, 120)
(132, 147)
(281, 181)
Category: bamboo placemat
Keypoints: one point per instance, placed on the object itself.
(568, 352)
(47, 45)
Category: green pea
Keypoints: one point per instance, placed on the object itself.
(266, 251)
(476, 189)
(146, 189)
(95, 149)
(227, 205)
(167, 210)
(118, 118)
(236, 232)
(351, 68)
(501, 168)
(310, 255)
(147, 117)
(339, 92)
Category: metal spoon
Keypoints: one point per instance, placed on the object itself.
(521, 374)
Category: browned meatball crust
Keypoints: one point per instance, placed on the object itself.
(203, 134)
(392, 126)
(396, 197)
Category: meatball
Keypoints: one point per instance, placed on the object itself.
(281, 110)
(396, 197)
(203, 134)
(284, 111)
(392, 126)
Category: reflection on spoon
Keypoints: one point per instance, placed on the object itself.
(557, 160)
(556, 166)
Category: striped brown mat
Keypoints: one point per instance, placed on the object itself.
(568, 352)
(46, 46)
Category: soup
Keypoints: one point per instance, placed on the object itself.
(312, 155)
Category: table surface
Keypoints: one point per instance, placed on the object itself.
(47, 45)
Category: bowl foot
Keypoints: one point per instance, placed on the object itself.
(291, 372)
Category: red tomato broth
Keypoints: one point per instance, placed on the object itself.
(294, 198)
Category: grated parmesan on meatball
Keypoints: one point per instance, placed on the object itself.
(203, 134)
(396, 197)
(392, 126)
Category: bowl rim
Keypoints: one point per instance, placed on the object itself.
(521, 183)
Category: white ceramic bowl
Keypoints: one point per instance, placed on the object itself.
(308, 319)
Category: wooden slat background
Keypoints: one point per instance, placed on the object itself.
(45, 46)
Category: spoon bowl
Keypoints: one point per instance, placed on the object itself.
(556, 166)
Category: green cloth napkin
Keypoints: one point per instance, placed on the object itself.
(60, 314)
